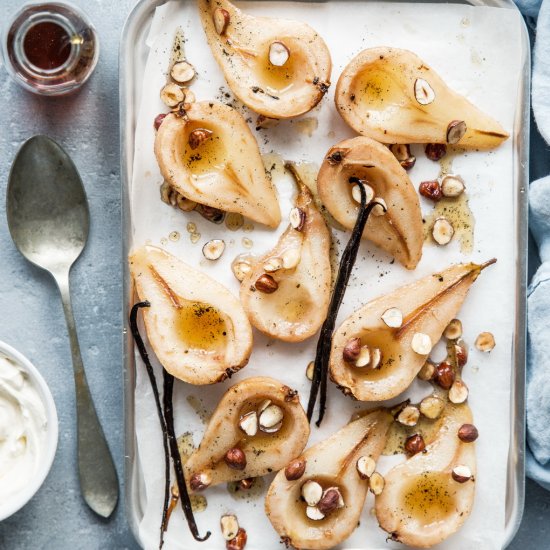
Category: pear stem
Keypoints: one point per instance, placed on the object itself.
(170, 443)
(322, 355)
(487, 263)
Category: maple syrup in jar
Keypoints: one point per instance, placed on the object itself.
(50, 48)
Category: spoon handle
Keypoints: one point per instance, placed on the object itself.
(97, 473)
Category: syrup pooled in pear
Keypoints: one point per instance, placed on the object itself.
(378, 351)
(317, 500)
(363, 161)
(196, 327)
(286, 293)
(392, 96)
(257, 427)
(209, 156)
(277, 67)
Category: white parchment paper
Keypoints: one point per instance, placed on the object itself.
(477, 51)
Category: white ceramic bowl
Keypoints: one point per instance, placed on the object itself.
(19, 499)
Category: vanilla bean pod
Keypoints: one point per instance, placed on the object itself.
(176, 457)
(166, 419)
(145, 358)
(322, 355)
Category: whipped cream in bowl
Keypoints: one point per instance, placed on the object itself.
(28, 430)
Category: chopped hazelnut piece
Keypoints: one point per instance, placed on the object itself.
(458, 392)
(432, 407)
(414, 444)
(356, 193)
(271, 419)
(221, 20)
(297, 218)
(365, 466)
(461, 474)
(393, 317)
(312, 492)
(431, 190)
(200, 481)
(272, 265)
(456, 131)
(198, 137)
(278, 54)
(364, 357)
(312, 512)
(182, 71)
(402, 153)
(427, 371)
(453, 331)
(380, 208)
(423, 92)
(158, 120)
(376, 483)
(485, 342)
(421, 343)
(452, 186)
(291, 258)
(249, 423)
(171, 95)
(376, 358)
(213, 249)
(241, 269)
(409, 416)
(239, 542)
(461, 353)
(442, 231)
(229, 526)
(310, 369)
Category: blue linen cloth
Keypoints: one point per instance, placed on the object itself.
(538, 301)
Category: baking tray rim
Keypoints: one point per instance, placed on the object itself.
(136, 24)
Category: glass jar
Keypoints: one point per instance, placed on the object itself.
(50, 48)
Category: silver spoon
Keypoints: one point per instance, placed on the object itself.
(49, 220)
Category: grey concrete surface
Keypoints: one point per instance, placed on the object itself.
(86, 124)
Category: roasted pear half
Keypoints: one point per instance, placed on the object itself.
(286, 293)
(257, 428)
(428, 497)
(316, 501)
(277, 67)
(363, 161)
(392, 96)
(378, 350)
(197, 328)
(210, 156)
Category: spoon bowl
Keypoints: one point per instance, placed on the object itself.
(49, 222)
(47, 207)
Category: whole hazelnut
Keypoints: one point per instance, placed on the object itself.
(352, 349)
(468, 433)
(444, 375)
(414, 444)
(266, 284)
(295, 469)
(235, 458)
(436, 151)
(431, 190)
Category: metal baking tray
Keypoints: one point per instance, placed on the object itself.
(132, 59)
